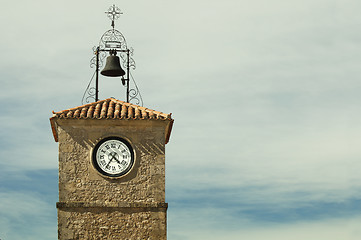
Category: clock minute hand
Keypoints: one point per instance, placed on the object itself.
(108, 164)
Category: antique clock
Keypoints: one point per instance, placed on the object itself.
(113, 157)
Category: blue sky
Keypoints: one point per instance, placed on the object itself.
(265, 97)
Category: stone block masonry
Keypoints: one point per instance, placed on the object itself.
(92, 206)
(82, 221)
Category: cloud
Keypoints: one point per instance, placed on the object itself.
(265, 97)
(333, 229)
(24, 215)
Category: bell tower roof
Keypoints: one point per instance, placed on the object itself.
(114, 109)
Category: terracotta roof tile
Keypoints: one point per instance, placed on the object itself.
(124, 112)
(111, 109)
(77, 113)
(117, 110)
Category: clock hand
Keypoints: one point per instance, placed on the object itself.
(117, 160)
(114, 157)
(108, 163)
(111, 156)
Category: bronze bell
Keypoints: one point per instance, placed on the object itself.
(112, 66)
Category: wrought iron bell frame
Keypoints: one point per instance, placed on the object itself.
(125, 81)
(113, 40)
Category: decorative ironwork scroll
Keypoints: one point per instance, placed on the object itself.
(134, 94)
(89, 93)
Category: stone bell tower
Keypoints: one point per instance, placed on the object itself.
(111, 171)
(112, 157)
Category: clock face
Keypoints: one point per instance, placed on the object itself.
(113, 157)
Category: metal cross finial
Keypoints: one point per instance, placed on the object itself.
(113, 13)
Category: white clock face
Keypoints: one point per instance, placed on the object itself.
(113, 157)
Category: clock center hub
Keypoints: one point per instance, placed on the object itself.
(113, 156)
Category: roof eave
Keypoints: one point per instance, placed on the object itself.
(169, 130)
(53, 128)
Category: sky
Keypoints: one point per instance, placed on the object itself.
(265, 96)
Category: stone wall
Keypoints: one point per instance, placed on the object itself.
(96, 223)
(95, 207)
